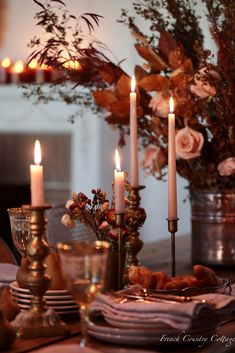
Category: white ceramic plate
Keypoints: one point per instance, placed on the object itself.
(14, 286)
(133, 325)
(63, 308)
(49, 297)
(101, 330)
(51, 304)
(58, 311)
(72, 312)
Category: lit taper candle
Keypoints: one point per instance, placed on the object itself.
(36, 178)
(119, 189)
(134, 177)
(172, 190)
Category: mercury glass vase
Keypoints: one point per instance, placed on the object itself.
(213, 227)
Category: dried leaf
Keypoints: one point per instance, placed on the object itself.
(187, 65)
(121, 108)
(154, 83)
(59, 1)
(153, 58)
(176, 58)
(106, 75)
(180, 80)
(166, 43)
(40, 4)
(104, 98)
(140, 73)
(114, 119)
(139, 36)
(123, 86)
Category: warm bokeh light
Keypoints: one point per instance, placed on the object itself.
(117, 160)
(44, 67)
(133, 83)
(6, 62)
(72, 64)
(18, 67)
(37, 153)
(33, 64)
(171, 105)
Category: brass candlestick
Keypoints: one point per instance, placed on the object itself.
(135, 219)
(38, 321)
(172, 228)
(119, 224)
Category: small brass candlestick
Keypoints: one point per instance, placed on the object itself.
(135, 219)
(172, 228)
(119, 224)
(38, 321)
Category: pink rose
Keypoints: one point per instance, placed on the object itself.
(227, 166)
(154, 159)
(188, 143)
(160, 105)
(203, 80)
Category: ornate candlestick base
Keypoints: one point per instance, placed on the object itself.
(135, 219)
(119, 224)
(172, 228)
(38, 321)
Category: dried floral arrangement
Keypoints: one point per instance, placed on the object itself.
(99, 214)
(175, 63)
(94, 212)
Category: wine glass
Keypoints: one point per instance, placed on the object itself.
(20, 228)
(84, 267)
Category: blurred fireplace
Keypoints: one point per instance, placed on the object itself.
(16, 154)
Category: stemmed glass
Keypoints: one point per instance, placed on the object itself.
(84, 267)
(20, 228)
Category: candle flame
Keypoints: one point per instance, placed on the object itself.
(37, 153)
(33, 64)
(6, 62)
(133, 84)
(18, 66)
(171, 103)
(117, 160)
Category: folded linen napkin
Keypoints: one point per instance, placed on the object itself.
(8, 272)
(181, 316)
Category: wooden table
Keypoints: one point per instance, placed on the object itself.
(156, 256)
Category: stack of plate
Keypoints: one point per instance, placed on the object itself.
(135, 333)
(58, 300)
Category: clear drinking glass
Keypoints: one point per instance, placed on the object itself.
(84, 266)
(20, 228)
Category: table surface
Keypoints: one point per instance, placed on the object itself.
(156, 256)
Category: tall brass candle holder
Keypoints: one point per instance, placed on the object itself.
(38, 321)
(135, 219)
(119, 224)
(172, 228)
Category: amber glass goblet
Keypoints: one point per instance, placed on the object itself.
(84, 266)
